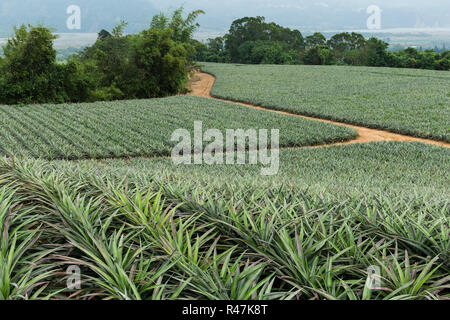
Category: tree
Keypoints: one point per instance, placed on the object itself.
(153, 63)
(216, 51)
(318, 55)
(445, 54)
(443, 63)
(357, 41)
(250, 32)
(29, 53)
(428, 59)
(29, 73)
(353, 57)
(342, 43)
(375, 53)
(317, 39)
(201, 51)
(292, 38)
(103, 34)
(161, 64)
(182, 28)
(243, 30)
(108, 62)
(119, 29)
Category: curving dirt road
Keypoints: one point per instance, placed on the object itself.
(202, 83)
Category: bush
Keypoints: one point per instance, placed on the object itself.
(153, 63)
(147, 65)
(156, 51)
(319, 55)
(353, 58)
(443, 64)
(270, 52)
(29, 73)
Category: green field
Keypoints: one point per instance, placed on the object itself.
(142, 229)
(140, 127)
(413, 102)
(100, 198)
(403, 169)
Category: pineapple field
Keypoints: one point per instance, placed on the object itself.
(91, 187)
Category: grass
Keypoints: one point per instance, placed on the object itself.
(140, 127)
(413, 102)
(161, 239)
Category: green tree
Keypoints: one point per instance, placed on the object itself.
(319, 55)
(201, 51)
(29, 72)
(375, 53)
(353, 58)
(315, 40)
(182, 28)
(342, 43)
(247, 33)
(153, 63)
(291, 38)
(428, 59)
(443, 63)
(161, 64)
(216, 51)
(244, 30)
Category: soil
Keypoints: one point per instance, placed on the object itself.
(202, 83)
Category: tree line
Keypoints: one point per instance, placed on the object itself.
(252, 40)
(156, 62)
(152, 63)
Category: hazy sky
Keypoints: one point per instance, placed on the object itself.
(307, 15)
(323, 14)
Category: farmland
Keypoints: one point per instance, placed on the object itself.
(215, 232)
(140, 127)
(413, 102)
(403, 169)
(89, 186)
(130, 170)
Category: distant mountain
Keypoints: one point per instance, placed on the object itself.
(95, 14)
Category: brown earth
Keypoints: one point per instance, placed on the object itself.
(202, 83)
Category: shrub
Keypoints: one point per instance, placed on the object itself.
(318, 55)
(153, 63)
(443, 64)
(29, 73)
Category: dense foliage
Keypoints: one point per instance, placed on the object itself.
(140, 127)
(252, 40)
(153, 63)
(400, 169)
(145, 229)
(413, 102)
(29, 72)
